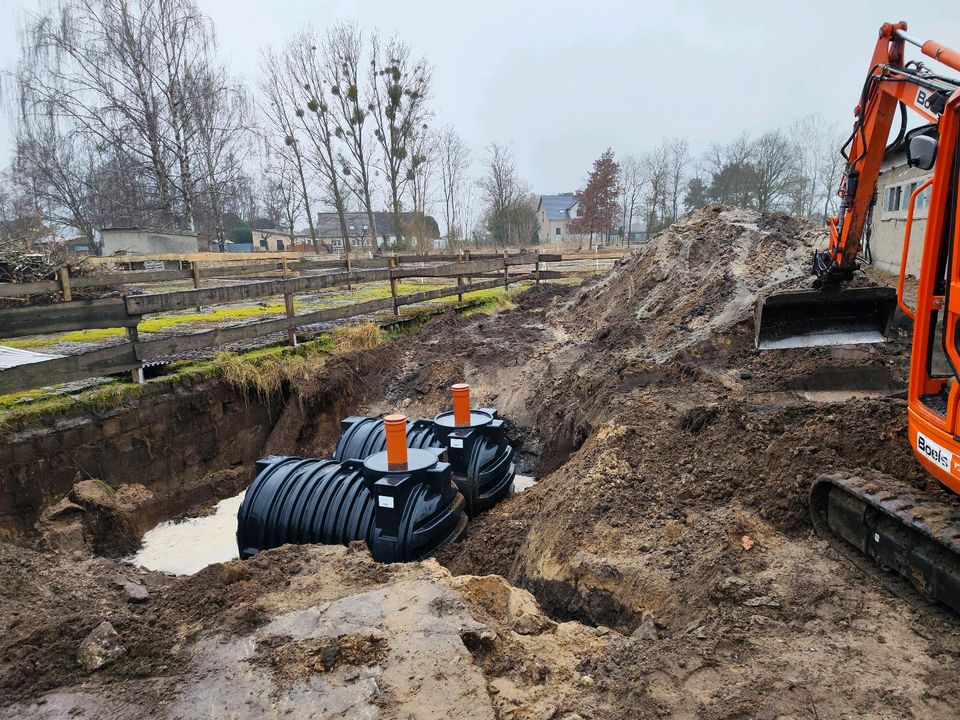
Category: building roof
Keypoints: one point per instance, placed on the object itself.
(13, 357)
(148, 231)
(328, 224)
(284, 233)
(557, 207)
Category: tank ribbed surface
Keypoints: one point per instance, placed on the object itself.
(361, 437)
(303, 500)
(483, 466)
(400, 515)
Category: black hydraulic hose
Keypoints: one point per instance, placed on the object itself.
(903, 127)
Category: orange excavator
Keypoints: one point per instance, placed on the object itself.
(913, 532)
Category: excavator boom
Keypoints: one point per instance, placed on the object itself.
(829, 313)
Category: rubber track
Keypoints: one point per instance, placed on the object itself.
(935, 520)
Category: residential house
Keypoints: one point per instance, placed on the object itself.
(555, 213)
(269, 240)
(362, 238)
(895, 185)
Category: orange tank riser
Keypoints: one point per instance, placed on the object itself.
(461, 404)
(395, 428)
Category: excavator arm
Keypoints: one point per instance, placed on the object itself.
(829, 314)
(889, 84)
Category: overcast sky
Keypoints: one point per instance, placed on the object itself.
(560, 81)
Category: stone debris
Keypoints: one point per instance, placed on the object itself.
(101, 647)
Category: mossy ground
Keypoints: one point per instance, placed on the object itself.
(262, 371)
(156, 324)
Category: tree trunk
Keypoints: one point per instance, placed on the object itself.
(306, 199)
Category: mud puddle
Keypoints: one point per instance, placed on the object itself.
(187, 546)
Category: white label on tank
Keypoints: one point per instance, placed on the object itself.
(934, 452)
(456, 442)
(385, 501)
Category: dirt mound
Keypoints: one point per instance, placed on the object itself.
(692, 281)
(296, 632)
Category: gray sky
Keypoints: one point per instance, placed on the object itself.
(560, 81)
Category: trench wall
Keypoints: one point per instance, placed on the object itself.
(167, 441)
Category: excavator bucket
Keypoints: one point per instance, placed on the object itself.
(811, 318)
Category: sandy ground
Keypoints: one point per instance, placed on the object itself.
(666, 546)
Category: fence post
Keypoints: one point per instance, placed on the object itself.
(460, 277)
(65, 284)
(349, 264)
(392, 263)
(288, 308)
(506, 272)
(196, 278)
(137, 374)
(536, 256)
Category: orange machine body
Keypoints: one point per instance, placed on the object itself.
(934, 393)
(935, 426)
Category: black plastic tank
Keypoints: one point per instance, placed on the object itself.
(401, 513)
(481, 457)
(361, 437)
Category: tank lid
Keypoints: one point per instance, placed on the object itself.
(477, 419)
(417, 460)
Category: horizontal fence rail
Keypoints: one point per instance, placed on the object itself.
(488, 270)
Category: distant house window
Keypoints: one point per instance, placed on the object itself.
(896, 200)
(338, 243)
(558, 232)
(894, 195)
(353, 227)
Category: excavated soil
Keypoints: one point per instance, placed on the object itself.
(673, 569)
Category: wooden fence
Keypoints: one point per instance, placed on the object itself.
(484, 271)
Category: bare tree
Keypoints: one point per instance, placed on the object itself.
(219, 124)
(399, 88)
(277, 87)
(502, 191)
(634, 181)
(774, 165)
(453, 160)
(656, 175)
(470, 214)
(421, 172)
(679, 159)
(282, 195)
(120, 72)
(306, 83)
(343, 50)
(57, 171)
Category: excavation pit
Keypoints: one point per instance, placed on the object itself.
(661, 565)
